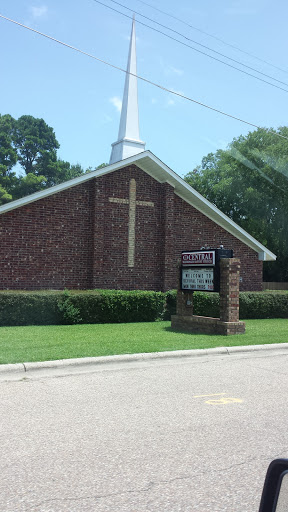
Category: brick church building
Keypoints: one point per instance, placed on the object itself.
(122, 227)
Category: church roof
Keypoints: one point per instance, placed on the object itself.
(153, 166)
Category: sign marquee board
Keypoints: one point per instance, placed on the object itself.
(200, 270)
(198, 279)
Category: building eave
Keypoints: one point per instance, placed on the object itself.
(153, 166)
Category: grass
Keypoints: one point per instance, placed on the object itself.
(42, 343)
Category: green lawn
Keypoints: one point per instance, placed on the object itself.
(41, 343)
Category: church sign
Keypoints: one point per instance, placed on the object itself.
(200, 270)
(199, 258)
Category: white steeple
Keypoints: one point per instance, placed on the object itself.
(129, 143)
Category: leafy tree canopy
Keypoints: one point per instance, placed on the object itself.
(4, 196)
(8, 153)
(8, 157)
(249, 183)
(33, 139)
(32, 144)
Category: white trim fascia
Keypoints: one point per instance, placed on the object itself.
(262, 256)
(181, 188)
(170, 183)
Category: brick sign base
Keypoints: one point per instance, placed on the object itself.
(228, 323)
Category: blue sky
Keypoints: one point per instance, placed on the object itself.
(80, 97)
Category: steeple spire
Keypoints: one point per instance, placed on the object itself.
(129, 143)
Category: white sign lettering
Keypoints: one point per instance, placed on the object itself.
(201, 279)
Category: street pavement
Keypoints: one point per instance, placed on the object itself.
(163, 434)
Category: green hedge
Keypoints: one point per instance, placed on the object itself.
(263, 305)
(113, 306)
(101, 306)
(251, 304)
(22, 308)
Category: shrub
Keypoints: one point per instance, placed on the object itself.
(117, 306)
(70, 314)
(99, 306)
(170, 305)
(206, 304)
(29, 308)
(263, 305)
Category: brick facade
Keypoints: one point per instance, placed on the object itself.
(78, 238)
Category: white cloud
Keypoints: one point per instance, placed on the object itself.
(170, 102)
(168, 69)
(38, 12)
(117, 102)
(106, 119)
(154, 101)
(176, 71)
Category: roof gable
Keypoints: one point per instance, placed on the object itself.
(150, 164)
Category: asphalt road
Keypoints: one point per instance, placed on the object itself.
(169, 435)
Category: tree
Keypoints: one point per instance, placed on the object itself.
(8, 154)
(66, 171)
(28, 184)
(101, 166)
(8, 158)
(34, 140)
(33, 144)
(5, 197)
(249, 182)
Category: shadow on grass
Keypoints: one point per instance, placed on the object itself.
(180, 331)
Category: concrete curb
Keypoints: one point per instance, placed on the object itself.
(24, 368)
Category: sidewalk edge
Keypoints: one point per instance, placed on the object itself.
(123, 358)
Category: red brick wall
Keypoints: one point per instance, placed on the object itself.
(47, 244)
(78, 239)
